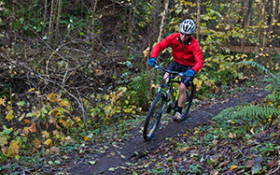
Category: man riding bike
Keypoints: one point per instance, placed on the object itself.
(187, 56)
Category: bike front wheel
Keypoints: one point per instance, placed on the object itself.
(187, 106)
(154, 116)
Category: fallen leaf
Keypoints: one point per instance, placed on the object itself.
(233, 167)
(86, 138)
(184, 149)
(252, 131)
(55, 150)
(249, 164)
(216, 173)
(92, 162)
(215, 141)
(271, 164)
(122, 156)
(111, 169)
(256, 168)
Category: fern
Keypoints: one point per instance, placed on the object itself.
(245, 114)
(257, 112)
(260, 67)
(255, 64)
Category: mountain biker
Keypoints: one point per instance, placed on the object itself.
(187, 57)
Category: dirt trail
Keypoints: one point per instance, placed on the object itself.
(137, 144)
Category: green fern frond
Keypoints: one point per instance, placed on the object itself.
(277, 80)
(245, 113)
(257, 112)
(260, 67)
(253, 63)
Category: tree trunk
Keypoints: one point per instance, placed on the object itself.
(51, 24)
(271, 31)
(245, 24)
(198, 20)
(261, 30)
(151, 35)
(58, 20)
(45, 16)
(130, 28)
(163, 19)
(11, 35)
(93, 29)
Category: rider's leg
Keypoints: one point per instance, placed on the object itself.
(181, 102)
(165, 77)
(182, 95)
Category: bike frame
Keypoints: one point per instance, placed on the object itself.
(173, 78)
(165, 93)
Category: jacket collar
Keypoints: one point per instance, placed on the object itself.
(188, 42)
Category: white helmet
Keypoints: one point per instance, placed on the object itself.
(187, 27)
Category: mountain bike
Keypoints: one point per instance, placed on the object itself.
(167, 92)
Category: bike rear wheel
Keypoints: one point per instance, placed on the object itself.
(154, 116)
(187, 106)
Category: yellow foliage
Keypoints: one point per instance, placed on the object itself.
(184, 149)
(57, 114)
(4, 150)
(3, 141)
(233, 167)
(77, 119)
(198, 84)
(63, 103)
(9, 117)
(32, 89)
(36, 142)
(86, 138)
(48, 142)
(52, 97)
(146, 51)
(99, 72)
(2, 101)
(13, 148)
(56, 134)
(26, 130)
(63, 122)
(45, 134)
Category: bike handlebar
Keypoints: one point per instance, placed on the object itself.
(181, 74)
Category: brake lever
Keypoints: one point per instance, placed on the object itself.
(181, 74)
(156, 66)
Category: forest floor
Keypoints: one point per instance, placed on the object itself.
(134, 155)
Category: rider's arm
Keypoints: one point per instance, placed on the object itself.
(162, 45)
(198, 56)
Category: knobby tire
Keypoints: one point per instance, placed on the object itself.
(154, 116)
(187, 106)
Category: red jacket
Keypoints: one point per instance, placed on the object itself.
(188, 54)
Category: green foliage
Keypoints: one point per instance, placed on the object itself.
(254, 64)
(244, 115)
(273, 82)
(52, 115)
